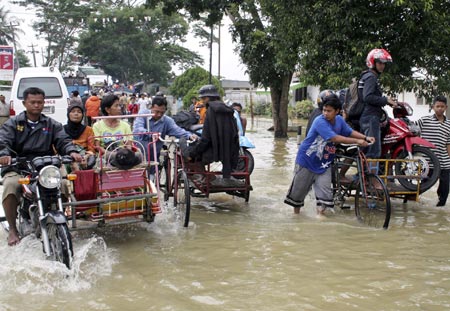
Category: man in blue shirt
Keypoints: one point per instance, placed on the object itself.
(160, 123)
(316, 154)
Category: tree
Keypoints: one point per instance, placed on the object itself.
(8, 28)
(23, 59)
(187, 84)
(270, 53)
(326, 42)
(137, 43)
(59, 23)
(416, 33)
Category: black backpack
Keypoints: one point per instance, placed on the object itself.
(185, 119)
(353, 105)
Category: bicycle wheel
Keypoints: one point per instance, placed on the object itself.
(60, 243)
(372, 203)
(182, 198)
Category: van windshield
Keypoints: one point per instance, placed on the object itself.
(50, 86)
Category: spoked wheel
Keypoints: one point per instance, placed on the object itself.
(373, 204)
(182, 198)
(60, 243)
(429, 164)
(165, 178)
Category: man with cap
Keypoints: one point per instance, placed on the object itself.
(220, 136)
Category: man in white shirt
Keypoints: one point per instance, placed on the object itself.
(4, 110)
(143, 101)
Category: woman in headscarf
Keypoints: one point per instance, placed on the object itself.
(82, 136)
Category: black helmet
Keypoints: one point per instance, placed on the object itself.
(208, 90)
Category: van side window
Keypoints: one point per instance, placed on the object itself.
(49, 85)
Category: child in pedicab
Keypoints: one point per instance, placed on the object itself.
(81, 136)
(115, 148)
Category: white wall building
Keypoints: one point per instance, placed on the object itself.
(243, 92)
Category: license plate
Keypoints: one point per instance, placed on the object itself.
(48, 110)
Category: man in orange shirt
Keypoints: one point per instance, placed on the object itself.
(92, 108)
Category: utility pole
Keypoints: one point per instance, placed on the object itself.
(34, 53)
(16, 60)
(218, 69)
(210, 54)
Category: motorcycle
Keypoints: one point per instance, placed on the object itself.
(402, 141)
(40, 209)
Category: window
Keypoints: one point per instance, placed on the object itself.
(50, 86)
(420, 101)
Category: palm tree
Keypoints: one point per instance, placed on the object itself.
(8, 32)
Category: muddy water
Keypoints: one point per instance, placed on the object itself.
(238, 256)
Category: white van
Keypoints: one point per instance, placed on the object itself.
(50, 80)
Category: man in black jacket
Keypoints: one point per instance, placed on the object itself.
(220, 136)
(370, 92)
(30, 134)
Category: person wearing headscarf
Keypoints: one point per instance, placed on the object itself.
(82, 135)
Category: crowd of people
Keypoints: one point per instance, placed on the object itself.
(327, 127)
(32, 134)
(87, 140)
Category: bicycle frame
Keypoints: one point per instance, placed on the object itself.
(372, 201)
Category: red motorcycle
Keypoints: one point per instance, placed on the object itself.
(402, 141)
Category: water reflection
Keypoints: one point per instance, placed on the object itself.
(238, 256)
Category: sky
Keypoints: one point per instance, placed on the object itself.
(230, 67)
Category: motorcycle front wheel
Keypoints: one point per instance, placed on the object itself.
(60, 243)
(430, 169)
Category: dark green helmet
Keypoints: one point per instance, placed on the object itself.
(208, 90)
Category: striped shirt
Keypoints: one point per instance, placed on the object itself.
(439, 134)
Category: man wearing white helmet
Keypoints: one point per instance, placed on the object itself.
(371, 94)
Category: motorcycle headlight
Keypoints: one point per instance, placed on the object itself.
(414, 129)
(50, 177)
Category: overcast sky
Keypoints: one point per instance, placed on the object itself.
(231, 68)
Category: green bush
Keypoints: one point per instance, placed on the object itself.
(187, 84)
(262, 109)
(303, 109)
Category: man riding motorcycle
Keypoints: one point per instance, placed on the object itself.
(30, 134)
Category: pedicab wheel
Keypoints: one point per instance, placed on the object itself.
(60, 243)
(372, 203)
(182, 198)
(164, 179)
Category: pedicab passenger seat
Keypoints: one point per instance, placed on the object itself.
(85, 186)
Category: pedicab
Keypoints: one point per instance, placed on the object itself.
(181, 179)
(116, 191)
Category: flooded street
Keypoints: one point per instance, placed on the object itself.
(239, 256)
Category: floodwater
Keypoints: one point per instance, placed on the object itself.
(238, 256)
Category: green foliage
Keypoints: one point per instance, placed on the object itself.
(23, 59)
(59, 22)
(415, 32)
(327, 41)
(187, 84)
(262, 109)
(302, 109)
(133, 50)
(9, 28)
